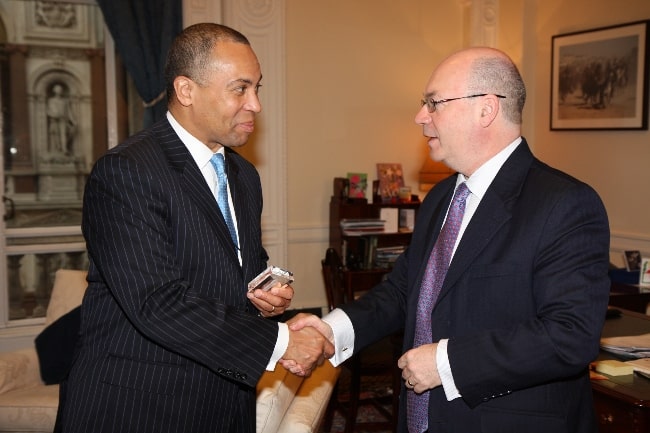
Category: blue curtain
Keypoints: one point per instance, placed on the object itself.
(143, 31)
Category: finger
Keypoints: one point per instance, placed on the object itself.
(328, 350)
(285, 292)
(301, 321)
(287, 363)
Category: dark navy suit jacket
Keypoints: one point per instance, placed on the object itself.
(522, 304)
(169, 341)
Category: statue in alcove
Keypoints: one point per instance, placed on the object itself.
(61, 123)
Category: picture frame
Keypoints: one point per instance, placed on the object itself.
(632, 260)
(391, 179)
(644, 274)
(599, 78)
(358, 183)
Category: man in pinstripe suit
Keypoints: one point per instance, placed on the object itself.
(170, 339)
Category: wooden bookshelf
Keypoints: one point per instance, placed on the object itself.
(357, 252)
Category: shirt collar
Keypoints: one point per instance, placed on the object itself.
(481, 179)
(199, 151)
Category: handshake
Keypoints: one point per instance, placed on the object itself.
(311, 341)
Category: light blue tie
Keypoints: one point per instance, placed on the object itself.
(417, 405)
(219, 164)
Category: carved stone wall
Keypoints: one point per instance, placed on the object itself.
(49, 139)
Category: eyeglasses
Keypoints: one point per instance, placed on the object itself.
(432, 104)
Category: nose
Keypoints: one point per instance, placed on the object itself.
(423, 116)
(253, 103)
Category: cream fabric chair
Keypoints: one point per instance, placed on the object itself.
(285, 403)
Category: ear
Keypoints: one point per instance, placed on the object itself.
(489, 110)
(183, 87)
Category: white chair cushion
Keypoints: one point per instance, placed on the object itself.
(67, 293)
(308, 407)
(29, 409)
(275, 391)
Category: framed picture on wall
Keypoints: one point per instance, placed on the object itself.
(599, 78)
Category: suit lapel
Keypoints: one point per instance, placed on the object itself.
(193, 182)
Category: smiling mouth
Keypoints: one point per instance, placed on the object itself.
(247, 126)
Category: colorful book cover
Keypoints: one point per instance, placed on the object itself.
(358, 184)
(390, 180)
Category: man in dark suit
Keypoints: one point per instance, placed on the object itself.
(170, 339)
(519, 306)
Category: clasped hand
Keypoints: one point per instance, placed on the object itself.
(419, 368)
(311, 341)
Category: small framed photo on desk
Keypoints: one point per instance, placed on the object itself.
(632, 260)
(644, 274)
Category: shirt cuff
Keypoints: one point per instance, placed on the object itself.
(281, 345)
(343, 336)
(444, 371)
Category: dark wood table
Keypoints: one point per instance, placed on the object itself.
(630, 297)
(623, 402)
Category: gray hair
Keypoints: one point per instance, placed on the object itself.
(499, 75)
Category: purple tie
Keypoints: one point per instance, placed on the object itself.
(417, 409)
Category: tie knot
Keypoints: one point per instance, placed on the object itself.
(219, 163)
(462, 192)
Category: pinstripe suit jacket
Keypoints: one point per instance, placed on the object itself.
(169, 342)
(522, 304)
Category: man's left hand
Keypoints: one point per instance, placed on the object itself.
(419, 368)
(273, 302)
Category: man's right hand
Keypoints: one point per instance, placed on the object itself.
(310, 342)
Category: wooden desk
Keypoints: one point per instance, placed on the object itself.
(630, 297)
(623, 402)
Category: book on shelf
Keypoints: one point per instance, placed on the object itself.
(371, 247)
(406, 219)
(385, 257)
(362, 226)
(391, 216)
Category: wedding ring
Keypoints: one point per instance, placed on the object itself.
(272, 309)
(408, 381)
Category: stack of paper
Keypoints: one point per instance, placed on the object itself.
(642, 365)
(614, 367)
(631, 346)
(362, 226)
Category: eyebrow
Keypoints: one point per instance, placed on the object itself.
(246, 81)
